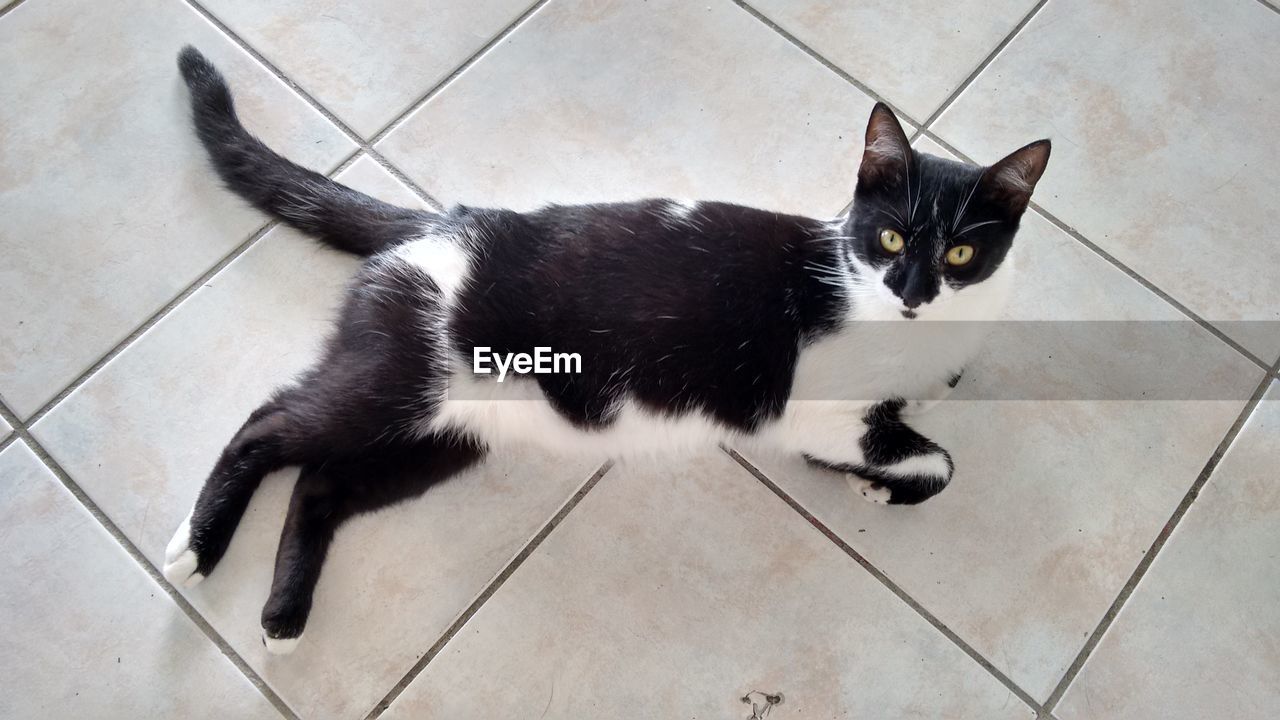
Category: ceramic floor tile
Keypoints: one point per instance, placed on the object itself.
(141, 435)
(4, 429)
(592, 101)
(1198, 638)
(87, 632)
(110, 207)
(676, 591)
(367, 62)
(1163, 153)
(914, 53)
(1053, 502)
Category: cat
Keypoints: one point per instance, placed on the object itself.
(694, 323)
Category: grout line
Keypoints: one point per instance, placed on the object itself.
(489, 591)
(814, 54)
(151, 321)
(887, 582)
(14, 423)
(170, 306)
(955, 94)
(1133, 274)
(435, 89)
(1263, 3)
(20, 431)
(11, 7)
(1158, 544)
(346, 130)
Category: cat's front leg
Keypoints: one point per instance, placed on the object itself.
(892, 464)
(937, 393)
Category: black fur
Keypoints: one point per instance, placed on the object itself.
(703, 312)
(936, 204)
(889, 440)
(336, 214)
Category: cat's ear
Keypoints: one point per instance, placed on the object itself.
(887, 154)
(1010, 181)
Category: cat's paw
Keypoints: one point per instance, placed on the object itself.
(280, 646)
(282, 625)
(180, 559)
(872, 492)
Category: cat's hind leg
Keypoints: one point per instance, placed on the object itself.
(329, 493)
(897, 465)
(266, 442)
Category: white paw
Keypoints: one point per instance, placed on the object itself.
(180, 560)
(280, 646)
(871, 492)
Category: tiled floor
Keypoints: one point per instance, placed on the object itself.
(1097, 558)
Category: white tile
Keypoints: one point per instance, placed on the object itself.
(675, 590)
(592, 101)
(914, 53)
(1053, 502)
(1163, 150)
(141, 435)
(1198, 637)
(87, 632)
(110, 205)
(367, 62)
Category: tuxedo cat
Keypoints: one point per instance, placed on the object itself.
(695, 323)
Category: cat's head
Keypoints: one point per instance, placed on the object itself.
(926, 235)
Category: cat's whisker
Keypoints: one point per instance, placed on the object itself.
(975, 226)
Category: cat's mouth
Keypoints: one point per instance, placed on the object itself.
(909, 314)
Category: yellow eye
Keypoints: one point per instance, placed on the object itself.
(891, 241)
(960, 255)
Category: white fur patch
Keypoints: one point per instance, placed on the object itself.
(878, 495)
(444, 258)
(931, 465)
(682, 209)
(180, 560)
(280, 646)
(516, 411)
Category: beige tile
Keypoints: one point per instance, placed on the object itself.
(1198, 638)
(367, 62)
(674, 592)
(109, 203)
(913, 53)
(1053, 502)
(140, 436)
(594, 100)
(1163, 153)
(87, 632)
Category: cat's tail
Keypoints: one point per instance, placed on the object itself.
(334, 213)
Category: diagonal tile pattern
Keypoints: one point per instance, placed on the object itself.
(88, 634)
(368, 61)
(617, 100)
(1169, 164)
(110, 208)
(684, 636)
(666, 588)
(1199, 637)
(914, 54)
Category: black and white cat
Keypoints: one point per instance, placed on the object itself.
(696, 323)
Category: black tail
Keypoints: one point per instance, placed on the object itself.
(334, 213)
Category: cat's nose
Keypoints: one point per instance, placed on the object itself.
(912, 302)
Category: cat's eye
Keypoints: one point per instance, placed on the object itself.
(960, 255)
(891, 241)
